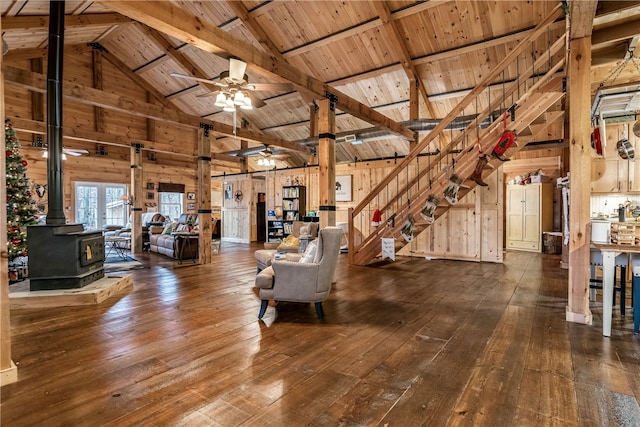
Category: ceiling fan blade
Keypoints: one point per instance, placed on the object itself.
(198, 79)
(237, 69)
(72, 152)
(275, 87)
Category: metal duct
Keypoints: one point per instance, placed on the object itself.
(55, 210)
(419, 125)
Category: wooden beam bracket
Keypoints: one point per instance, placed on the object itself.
(97, 46)
(207, 127)
(137, 146)
(333, 99)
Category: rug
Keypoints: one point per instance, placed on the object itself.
(115, 263)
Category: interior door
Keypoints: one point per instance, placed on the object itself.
(99, 204)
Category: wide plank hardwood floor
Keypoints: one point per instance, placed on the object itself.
(408, 343)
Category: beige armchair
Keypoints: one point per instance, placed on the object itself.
(302, 282)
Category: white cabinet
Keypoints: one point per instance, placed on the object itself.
(529, 212)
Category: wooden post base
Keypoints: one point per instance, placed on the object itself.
(9, 375)
(585, 319)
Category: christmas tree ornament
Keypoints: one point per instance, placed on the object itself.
(506, 141)
(428, 213)
(407, 229)
(451, 192)
(477, 172)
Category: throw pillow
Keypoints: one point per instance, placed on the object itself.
(310, 253)
(168, 229)
(182, 227)
(290, 240)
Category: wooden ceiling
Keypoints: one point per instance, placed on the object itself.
(384, 61)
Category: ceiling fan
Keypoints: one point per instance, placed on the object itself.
(75, 152)
(235, 89)
(268, 157)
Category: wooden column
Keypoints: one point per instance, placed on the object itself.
(204, 196)
(136, 193)
(98, 112)
(8, 370)
(580, 165)
(327, 162)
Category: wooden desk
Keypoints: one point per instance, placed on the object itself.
(609, 253)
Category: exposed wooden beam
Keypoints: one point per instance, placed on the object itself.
(607, 55)
(41, 22)
(606, 8)
(581, 14)
(616, 33)
(89, 96)
(24, 54)
(263, 38)
(393, 34)
(176, 22)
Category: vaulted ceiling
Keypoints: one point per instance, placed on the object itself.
(394, 67)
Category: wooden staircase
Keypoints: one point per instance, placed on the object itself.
(404, 192)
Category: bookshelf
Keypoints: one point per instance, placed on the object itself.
(294, 202)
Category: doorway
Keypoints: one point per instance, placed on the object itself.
(261, 218)
(98, 204)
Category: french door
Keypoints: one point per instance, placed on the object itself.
(99, 204)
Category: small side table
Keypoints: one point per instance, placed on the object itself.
(183, 240)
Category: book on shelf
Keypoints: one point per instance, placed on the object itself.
(290, 192)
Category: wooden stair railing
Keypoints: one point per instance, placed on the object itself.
(532, 109)
(538, 97)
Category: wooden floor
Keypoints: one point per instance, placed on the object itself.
(409, 343)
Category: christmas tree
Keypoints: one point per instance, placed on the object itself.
(21, 208)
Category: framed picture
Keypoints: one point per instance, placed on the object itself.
(343, 188)
(191, 206)
(151, 186)
(150, 195)
(228, 192)
(191, 196)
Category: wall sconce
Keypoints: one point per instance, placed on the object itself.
(128, 200)
(151, 156)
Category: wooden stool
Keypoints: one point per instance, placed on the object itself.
(622, 261)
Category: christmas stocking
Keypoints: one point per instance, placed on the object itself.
(477, 173)
(451, 192)
(506, 140)
(429, 211)
(407, 229)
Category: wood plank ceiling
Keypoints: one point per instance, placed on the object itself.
(388, 62)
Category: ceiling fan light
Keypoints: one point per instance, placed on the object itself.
(246, 105)
(260, 162)
(238, 98)
(221, 100)
(271, 162)
(229, 105)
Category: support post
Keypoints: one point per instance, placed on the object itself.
(580, 165)
(327, 162)
(204, 196)
(136, 197)
(8, 370)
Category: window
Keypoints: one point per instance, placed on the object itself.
(99, 204)
(171, 205)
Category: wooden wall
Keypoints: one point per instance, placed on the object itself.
(472, 230)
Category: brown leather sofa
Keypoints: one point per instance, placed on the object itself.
(178, 242)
